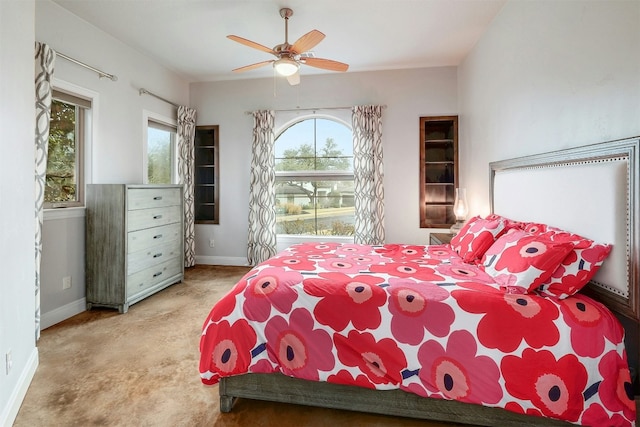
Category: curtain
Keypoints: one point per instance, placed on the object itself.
(262, 213)
(44, 62)
(368, 174)
(186, 169)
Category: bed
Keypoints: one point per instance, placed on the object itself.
(494, 329)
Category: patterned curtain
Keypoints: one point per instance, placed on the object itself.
(44, 62)
(368, 174)
(262, 213)
(186, 160)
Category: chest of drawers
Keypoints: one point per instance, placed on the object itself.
(134, 242)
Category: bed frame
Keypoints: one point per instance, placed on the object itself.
(590, 190)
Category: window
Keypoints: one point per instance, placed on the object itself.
(161, 148)
(314, 179)
(67, 134)
(206, 182)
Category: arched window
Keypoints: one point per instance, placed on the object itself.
(314, 179)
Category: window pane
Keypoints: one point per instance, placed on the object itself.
(315, 144)
(159, 155)
(292, 139)
(61, 183)
(334, 147)
(311, 197)
(315, 207)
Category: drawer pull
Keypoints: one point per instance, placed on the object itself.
(157, 274)
(157, 216)
(158, 255)
(157, 198)
(157, 236)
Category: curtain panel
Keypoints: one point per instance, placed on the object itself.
(262, 213)
(44, 63)
(368, 174)
(186, 133)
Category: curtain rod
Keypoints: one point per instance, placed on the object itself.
(143, 91)
(310, 109)
(82, 64)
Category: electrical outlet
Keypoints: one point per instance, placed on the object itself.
(212, 243)
(9, 361)
(66, 282)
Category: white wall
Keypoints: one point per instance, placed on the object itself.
(407, 94)
(548, 75)
(117, 152)
(116, 155)
(17, 198)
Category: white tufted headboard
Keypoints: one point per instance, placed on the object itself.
(591, 191)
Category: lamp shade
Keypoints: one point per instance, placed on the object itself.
(460, 206)
(286, 66)
(460, 209)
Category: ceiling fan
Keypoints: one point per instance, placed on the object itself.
(290, 57)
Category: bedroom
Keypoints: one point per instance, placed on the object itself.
(544, 76)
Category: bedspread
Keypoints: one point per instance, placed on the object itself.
(419, 319)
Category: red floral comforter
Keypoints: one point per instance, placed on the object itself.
(419, 319)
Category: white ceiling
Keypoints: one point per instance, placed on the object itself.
(189, 36)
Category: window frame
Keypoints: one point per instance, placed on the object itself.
(150, 116)
(61, 210)
(314, 175)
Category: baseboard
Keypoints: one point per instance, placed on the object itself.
(52, 317)
(221, 260)
(10, 412)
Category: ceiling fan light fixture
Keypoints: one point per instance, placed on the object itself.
(286, 66)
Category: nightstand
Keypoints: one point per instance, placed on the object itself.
(440, 238)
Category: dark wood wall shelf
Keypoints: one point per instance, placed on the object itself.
(207, 175)
(438, 170)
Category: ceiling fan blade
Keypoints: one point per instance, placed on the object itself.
(326, 64)
(294, 79)
(252, 66)
(251, 44)
(306, 42)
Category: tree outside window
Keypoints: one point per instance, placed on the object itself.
(160, 148)
(64, 180)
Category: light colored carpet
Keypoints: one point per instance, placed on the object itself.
(101, 368)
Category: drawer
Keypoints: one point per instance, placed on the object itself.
(144, 198)
(142, 239)
(146, 278)
(150, 257)
(148, 218)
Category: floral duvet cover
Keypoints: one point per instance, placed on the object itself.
(419, 319)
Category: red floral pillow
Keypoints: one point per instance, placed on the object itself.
(575, 271)
(508, 223)
(557, 234)
(520, 262)
(579, 266)
(475, 237)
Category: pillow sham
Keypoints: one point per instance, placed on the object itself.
(575, 271)
(508, 222)
(557, 234)
(475, 237)
(577, 268)
(520, 262)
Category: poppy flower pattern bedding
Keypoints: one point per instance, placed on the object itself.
(427, 321)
